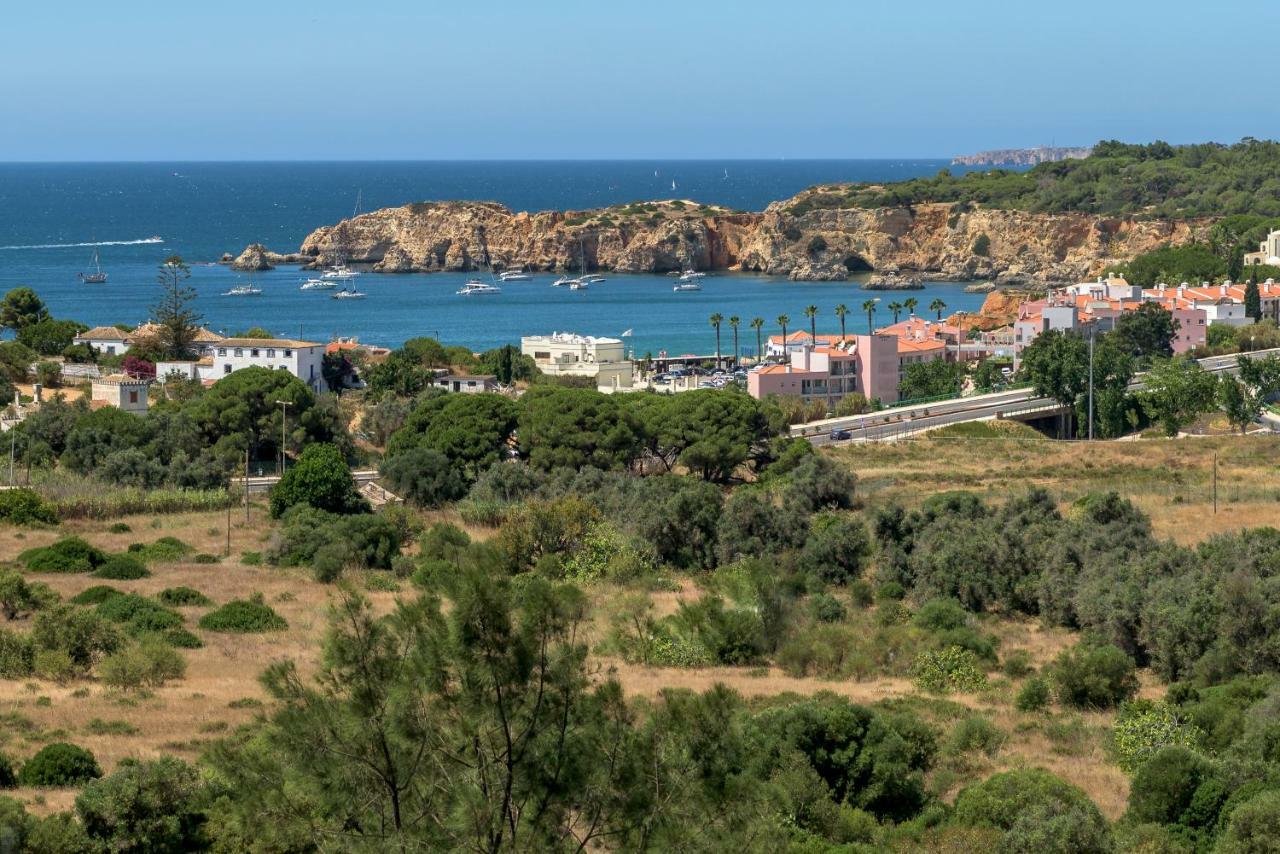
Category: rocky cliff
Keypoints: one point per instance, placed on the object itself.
(806, 237)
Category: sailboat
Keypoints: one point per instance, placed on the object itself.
(97, 277)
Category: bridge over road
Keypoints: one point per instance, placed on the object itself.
(1022, 404)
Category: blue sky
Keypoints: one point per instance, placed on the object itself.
(394, 79)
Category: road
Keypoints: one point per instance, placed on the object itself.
(264, 483)
(904, 421)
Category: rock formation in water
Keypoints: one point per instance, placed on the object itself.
(258, 257)
(806, 237)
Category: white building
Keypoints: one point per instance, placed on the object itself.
(1268, 251)
(464, 384)
(303, 359)
(108, 340)
(567, 354)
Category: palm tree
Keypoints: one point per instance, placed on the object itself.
(783, 320)
(757, 323)
(734, 320)
(841, 311)
(811, 312)
(938, 306)
(910, 304)
(870, 308)
(896, 308)
(716, 320)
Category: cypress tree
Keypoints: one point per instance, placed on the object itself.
(1252, 300)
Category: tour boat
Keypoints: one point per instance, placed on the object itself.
(243, 291)
(318, 285)
(475, 288)
(686, 286)
(516, 275)
(97, 277)
(348, 293)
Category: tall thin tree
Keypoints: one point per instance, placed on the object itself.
(910, 304)
(938, 307)
(783, 320)
(811, 312)
(716, 320)
(757, 323)
(841, 311)
(734, 320)
(179, 322)
(896, 308)
(870, 308)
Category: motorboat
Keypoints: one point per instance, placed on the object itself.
(690, 276)
(339, 273)
(686, 286)
(593, 278)
(565, 281)
(516, 275)
(476, 288)
(243, 291)
(318, 285)
(97, 277)
(348, 293)
(580, 285)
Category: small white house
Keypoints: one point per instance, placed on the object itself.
(466, 384)
(303, 359)
(567, 354)
(120, 391)
(108, 340)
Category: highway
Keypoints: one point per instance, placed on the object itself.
(898, 422)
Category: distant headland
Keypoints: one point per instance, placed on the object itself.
(1022, 156)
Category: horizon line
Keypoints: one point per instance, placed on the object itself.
(484, 160)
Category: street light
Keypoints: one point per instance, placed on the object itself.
(284, 422)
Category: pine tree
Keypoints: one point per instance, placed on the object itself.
(179, 322)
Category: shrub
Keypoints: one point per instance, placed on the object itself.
(1093, 675)
(251, 558)
(1033, 696)
(149, 663)
(69, 554)
(369, 540)
(154, 806)
(17, 655)
(119, 528)
(1017, 664)
(205, 558)
(425, 477)
(243, 617)
(860, 593)
(836, 548)
(163, 550)
(975, 733)
(94, 595)
(1143, 728)
(1037, 812)
(123, 567)
(25, 507)
(938, 615)
(320, 479)
(826, 608)
(59, 765)
(982, 246)
(56, 666)
(945, 670)
(8, 779)
(890, 591)
(181, 638)
(182, 597)
(1164, 785)
(1254, 826)
(83, 635)
(18, 596)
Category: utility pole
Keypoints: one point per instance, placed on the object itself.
(245, 491)
(13, 447)
(1091, 332)
(1215, 483)
(284, 422)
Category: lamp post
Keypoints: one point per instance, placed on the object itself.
(1092, 329)
(284, 423)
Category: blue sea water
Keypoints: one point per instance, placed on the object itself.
(51, 216)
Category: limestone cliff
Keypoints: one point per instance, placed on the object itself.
(805, 237)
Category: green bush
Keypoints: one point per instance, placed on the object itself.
(8, 779)
(17, 655)
(205, 558)
(19, 597)
(251, 558)
(1142, 728)
(826, 608)
(69, 554)
(156, 806)
(1165, 784)
(84, 635)
(1254, 826)
(149, 663)
(243, 617)
(946, 670)
(860, 593)
(56, 665)
(890, 591)
(59, 765)
(95, 595)
(975, 734)
(118, 528)
(25, 507)
(320, 479)
(182, 597)
(181, 638)
(1093, 676)
(1037, 812)
(1017, 664)
(122, 567)
(366, 540)
(163, 550)
(939, 615)
(1033, 696)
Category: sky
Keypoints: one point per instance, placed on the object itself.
(616, 79)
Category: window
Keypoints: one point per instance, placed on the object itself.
(288, 354)
(111, 348)
(222, 351)
(283, 368)
(226, 369)
(133, 397)
(271, 353)
(253, 353)
(239, 352)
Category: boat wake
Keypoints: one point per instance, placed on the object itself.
(140, 242)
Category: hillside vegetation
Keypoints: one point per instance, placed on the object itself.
(1155, 180)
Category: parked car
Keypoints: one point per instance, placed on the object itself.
(839, 435)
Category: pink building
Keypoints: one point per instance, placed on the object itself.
(867, 364)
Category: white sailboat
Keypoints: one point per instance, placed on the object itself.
(97, 277)
(477, 288)
(318, 285)
(516, 275)
(348, 293)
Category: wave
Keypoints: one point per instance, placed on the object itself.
(82, 245)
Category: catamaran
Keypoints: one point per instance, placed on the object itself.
(339, 273)
(97, 277)
(348, 293)
(565, 281)
(243, 291)
(318, 285)
(475, 287)
(686, 286)
(516, 275)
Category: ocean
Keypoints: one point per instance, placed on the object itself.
(53, 216)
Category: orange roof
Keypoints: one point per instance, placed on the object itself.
(912, 346)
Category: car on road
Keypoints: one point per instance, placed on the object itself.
(839, 435)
